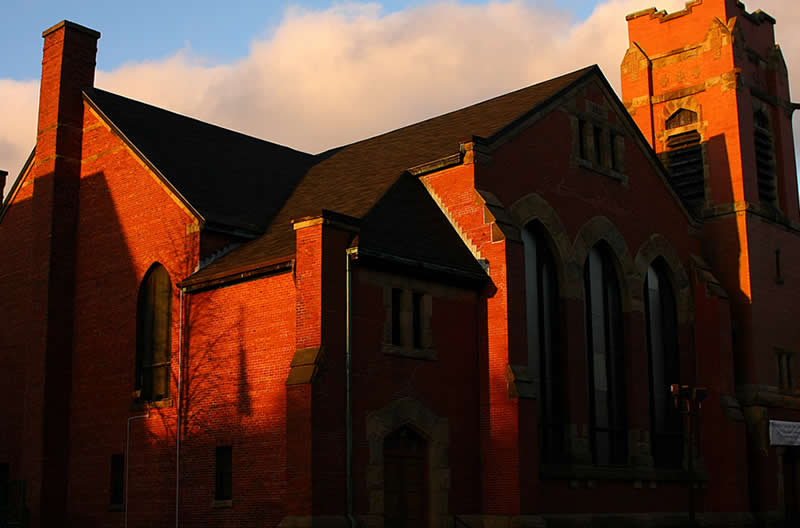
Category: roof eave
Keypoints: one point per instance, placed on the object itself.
(414, 264)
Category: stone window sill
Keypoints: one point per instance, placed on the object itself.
(141, 405)
(428, 354)
(222, 503)
(599, 169)
(627, 473)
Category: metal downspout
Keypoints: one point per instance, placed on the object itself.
(127, 465)
(348, 385)
(178, 416)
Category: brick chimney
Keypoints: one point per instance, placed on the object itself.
(67, 68)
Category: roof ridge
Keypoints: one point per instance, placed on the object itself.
(88, 92)
(581, 71)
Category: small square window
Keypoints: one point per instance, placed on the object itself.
(4, 478)
(224, 473)
(116, 487)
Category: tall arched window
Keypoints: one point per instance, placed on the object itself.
(541, 292)
(662, 342)
(605, 359)
(153, 335)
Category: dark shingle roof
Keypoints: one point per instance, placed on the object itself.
(354, 179)
(232, 180)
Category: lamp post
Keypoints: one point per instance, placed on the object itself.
(688, 399)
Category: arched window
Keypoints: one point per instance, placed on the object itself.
(153, 335)
(541, 292)
(662, 342)
(604, 351)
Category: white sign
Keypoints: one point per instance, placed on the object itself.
(784, 433)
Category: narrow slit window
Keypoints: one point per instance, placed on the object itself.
(397, 330)
(612, 149)
(598, 144)
(224, 473)
(417, 319)
(582, 139)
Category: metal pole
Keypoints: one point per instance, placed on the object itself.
(178, 413)
(690, 434)
(689, 400)
(127, 465)
(348, 387)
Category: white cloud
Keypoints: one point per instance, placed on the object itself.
(328, 77)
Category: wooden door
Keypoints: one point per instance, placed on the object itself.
(405, 480)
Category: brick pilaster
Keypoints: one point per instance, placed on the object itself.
(67, 67)
(315, 404)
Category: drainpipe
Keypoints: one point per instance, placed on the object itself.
(178, 418)
(348, 384)
(127, 465)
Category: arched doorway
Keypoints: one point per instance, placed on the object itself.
(405, 479)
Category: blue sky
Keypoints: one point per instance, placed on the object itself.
(149, 29)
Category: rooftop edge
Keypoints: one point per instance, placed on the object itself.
(71, 25)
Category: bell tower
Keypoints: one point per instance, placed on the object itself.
(709, 89)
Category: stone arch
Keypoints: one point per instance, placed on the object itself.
(674, 106)
(598, 229)
(682, 117)
(381, 423)
(658, 246)
(670, 109)
(533, 207)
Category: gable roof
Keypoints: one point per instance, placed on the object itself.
(232, 180)
(353, 179)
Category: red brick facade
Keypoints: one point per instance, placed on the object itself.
(259, 356)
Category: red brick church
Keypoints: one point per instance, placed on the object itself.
(554, 308)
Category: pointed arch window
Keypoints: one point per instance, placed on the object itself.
(153, 318)
(604, 350)
(664, 358)
(541, 292)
